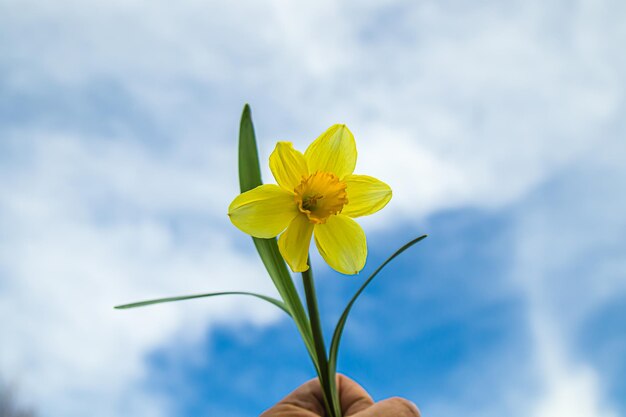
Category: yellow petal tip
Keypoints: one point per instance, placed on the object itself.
(298, 270)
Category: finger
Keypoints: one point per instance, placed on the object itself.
(307, 397)
(396, 407)
(352, 396)
(288, 410)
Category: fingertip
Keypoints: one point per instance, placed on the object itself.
(308, 396)
(395, 406)
(353, 396)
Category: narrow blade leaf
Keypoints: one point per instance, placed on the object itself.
(274, 301)
(249, 169)
(249, 178)
(334, 345)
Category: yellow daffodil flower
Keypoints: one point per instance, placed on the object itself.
(317, 194)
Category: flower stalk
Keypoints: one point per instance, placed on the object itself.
(332, 408)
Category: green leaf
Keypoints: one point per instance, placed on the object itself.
(249, 178)
(249, 170)
(334, 344)
(274, 301)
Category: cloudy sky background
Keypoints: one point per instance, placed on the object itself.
(499, 125)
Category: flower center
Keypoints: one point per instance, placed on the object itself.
(321, 195)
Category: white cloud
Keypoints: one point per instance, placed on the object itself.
(72, 254)
(576, 216)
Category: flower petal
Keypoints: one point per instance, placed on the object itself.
(264, 211)
(288, 166)
(342, 244)
(366, 195)
(294, 243)
(334, 151)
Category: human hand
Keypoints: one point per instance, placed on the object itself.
(308, 401)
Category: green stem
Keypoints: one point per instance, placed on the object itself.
(318, 340)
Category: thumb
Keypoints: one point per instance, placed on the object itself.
(396, 407)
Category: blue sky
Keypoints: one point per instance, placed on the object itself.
(499, 125)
